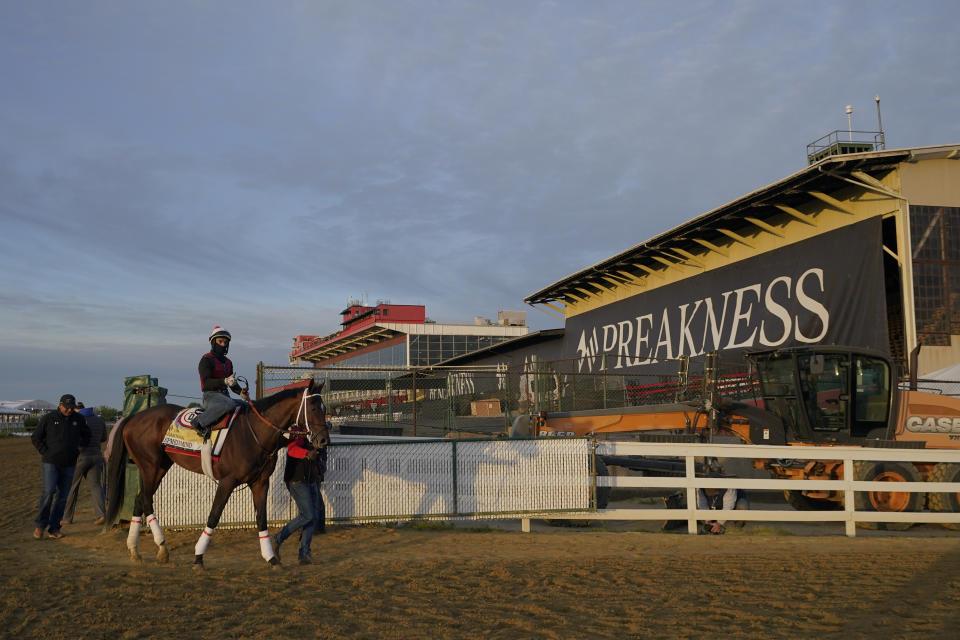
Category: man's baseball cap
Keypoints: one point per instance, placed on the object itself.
(68, 401)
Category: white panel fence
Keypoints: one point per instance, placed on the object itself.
(402, 480)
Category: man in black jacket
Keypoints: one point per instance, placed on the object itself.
(58, 437)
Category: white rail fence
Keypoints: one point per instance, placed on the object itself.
(403, 480)
(848, 486)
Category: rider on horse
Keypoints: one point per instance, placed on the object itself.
(216, 377)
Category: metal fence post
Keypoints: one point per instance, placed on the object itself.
(449, 421)
(456, 496)
(389, 391)
(414, 400)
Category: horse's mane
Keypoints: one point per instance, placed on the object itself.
(285, 394)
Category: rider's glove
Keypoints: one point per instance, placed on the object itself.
(230, 380)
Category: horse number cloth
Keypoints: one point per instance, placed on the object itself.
(181, 437)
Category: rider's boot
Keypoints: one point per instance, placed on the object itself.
(202, 430)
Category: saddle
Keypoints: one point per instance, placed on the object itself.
(181, 437)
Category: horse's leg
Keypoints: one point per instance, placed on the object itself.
(150, 487)
(259, 489)
(136, 521)
(224, 489)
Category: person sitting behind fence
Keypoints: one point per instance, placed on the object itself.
(717, 499)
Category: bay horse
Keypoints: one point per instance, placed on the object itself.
(248, 456)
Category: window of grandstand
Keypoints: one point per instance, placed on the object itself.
(935, 235)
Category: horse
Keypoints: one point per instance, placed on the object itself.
(249, 456)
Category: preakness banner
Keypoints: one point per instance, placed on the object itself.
(825, 290)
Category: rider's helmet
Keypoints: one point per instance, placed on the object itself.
(219, 332)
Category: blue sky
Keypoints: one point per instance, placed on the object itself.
(168, 167)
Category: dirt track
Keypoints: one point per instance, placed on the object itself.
(377, 582)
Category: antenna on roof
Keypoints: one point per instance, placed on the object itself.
(883, 141)
(832, 144)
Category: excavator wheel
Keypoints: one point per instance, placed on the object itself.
(949, 502)
(800, 502)
(886, 501)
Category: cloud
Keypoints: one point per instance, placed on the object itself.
(165, 169)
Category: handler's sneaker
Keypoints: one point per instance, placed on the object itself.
(100, 520)
(38, 534)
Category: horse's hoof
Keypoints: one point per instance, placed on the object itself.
(274, 562)
(162, 554)
(135, 557)
(198, 563)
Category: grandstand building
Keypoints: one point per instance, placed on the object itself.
(393, 335)
(860, 248)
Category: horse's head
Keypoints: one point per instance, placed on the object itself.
(315, 415)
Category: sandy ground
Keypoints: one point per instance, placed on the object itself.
(408, 582)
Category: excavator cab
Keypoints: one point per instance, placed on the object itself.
(827, 395)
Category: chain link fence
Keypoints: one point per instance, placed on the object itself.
(401, 401)
(436, 401)
(943, 387)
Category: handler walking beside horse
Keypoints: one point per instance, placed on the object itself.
(300, 476)
(248, 456)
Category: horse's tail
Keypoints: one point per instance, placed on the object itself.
(116, 470)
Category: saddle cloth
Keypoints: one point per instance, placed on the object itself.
(181, 437)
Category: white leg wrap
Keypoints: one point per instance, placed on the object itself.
(266, 546)
(203, 542)
(133, 535)
(155, 529)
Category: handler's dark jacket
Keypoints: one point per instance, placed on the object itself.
(98, 433)
(59, 438)
(213, 370)
(320, 464)
(300, 468)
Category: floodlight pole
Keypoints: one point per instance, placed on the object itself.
(883, 140)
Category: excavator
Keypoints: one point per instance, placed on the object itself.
(810, 395)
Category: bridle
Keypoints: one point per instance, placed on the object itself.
(303, 410)
(295, 429)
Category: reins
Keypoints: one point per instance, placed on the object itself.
(296, 428)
